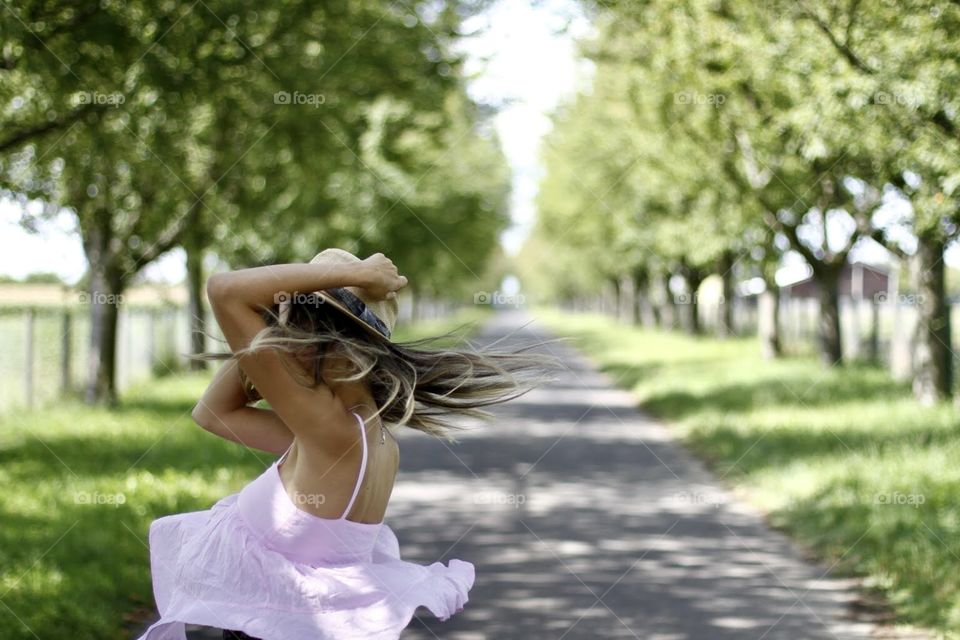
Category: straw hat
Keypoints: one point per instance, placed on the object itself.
(376, 316)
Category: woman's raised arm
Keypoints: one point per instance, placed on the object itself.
(224, 410)
(258, 287)
(237, 298)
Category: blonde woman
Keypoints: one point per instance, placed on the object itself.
(303, 551)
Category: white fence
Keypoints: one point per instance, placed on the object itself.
(895, 320)
(46, 349)
(884, 330)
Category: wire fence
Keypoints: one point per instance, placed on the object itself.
(46, 348)
(880, 330)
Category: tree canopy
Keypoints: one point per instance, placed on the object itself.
(264, 132)
(716, 135)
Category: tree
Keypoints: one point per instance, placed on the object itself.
(205, 130)
(900, 75)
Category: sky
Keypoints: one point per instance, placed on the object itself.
(56, 248)
(522, 57)
(526, 58)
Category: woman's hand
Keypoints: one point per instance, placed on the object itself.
(380, 277)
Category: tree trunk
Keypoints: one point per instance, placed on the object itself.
(644, 311)
(873, 344)
(933, 377)
(196, 308)
(66, 352)
(647, 313)
(628, 299)
(106, 289)
(725, 326)
(617, 296)
(828, 334)
(638, 304)
(693, 311)
(672, 315)
(694, 278)
(656, 312)
(768, 323)
(664, 310)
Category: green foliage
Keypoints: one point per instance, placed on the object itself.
(742, 126)
(264, 132)
(43, 277)
(439, 184)
(252, 127)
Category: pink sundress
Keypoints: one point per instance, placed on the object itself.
(257, 563)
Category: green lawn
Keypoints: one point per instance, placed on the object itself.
(843, 459)
(81, 486)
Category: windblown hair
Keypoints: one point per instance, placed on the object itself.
(412, 383)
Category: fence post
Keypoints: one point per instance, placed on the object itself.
(152, 338)
(66, 341)
(853, 328)
(170, 334)
(28, 362)
(128, 327)
(127, 314)
(873, 351)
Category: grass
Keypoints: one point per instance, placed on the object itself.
(82, 486)
(842, 459)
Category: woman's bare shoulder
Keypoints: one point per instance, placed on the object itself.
(327, 424)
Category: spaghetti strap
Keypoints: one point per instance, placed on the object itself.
(363, 466)
(284, 456)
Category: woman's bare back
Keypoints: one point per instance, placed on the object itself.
(321, 483)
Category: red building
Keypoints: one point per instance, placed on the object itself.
(858, 280)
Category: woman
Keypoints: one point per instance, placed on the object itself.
(303, 550)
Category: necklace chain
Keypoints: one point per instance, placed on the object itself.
(383, 431)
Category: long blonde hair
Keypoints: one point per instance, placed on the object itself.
(412, 383)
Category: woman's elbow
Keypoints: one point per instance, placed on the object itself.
(218, 286)
(204, 418)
